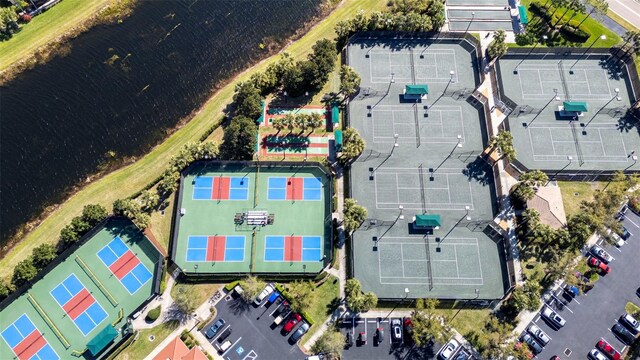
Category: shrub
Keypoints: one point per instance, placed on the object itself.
(231, 285)
(43, 255)
(24, 272)
(5, 289)
(574, 34)
(154, 314)
(94, 214)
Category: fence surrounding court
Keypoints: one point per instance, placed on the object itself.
(47, 320)
(96, 281)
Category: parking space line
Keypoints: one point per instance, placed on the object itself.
(563, 304)
(221, 332)
(232, 346)
(251, 355)
(631, 221)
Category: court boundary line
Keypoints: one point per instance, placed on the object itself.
(95, 301)
(380, 139)
(225, 248)
(130, 271)
(212, 187)
(24, 337)
(302, 248)
(427, 50)
(537, 69)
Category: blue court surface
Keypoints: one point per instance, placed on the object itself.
(221, 188)
(125, 265)
(216, 248)
(293, 248)
(27, 341)
(79, 304)
(300, 188)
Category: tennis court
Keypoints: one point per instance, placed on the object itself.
(295, 188)
(282, 227)
(79, 300)
(429, 170)
(293, 248)
(479, 2)
(216, 248)
(79, 304)
(125, 265)
(546, 137)
(26, 341)
(220, 188)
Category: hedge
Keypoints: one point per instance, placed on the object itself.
(154, 314)
(231, 285)
(280, 288)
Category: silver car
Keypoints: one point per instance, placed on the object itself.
(540, 335)
(600, 253)
(553, 317)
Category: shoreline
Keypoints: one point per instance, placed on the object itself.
(21, 236)
(112, 11)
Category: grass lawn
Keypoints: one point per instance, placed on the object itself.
(142, 346)
(326, 294)
(46, 27)
(591, 25)
(624, 23)
(161, 224)
(573, 193)
(126, 181)
(632, 308)
(201, 292)
(467, 319)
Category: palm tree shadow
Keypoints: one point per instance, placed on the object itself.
(479, 171)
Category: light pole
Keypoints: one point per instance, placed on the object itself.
(466, 216)
(555, 97)
(473, 15)
(406, 294)
(569, 158)
(635, 160)
(395, 143)
(602, 37)
(458, 145)
(584, 126)
(515, 71)
(399, 217)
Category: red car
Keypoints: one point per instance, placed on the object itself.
(608, 350)
(295, 318)
(408, 330)
(599, 264)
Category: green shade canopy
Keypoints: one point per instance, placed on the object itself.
(428, 221)
(100, 341)
(577, 106)
(335, 114)
(338, 140)
(416, 89)
(261, 118)
(523, 15)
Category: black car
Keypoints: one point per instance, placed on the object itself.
(396, 331)
(379, 335)
(533, 345)
(348, 340)
(225, 334)
(211, 332)
(625, 234)
(623, 334)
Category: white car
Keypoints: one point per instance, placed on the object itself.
(615, 237)
(631, 323)
(263, 295)
(595, 354)
(449, 349)
(601, 254)
(553, 317)
(539, 334)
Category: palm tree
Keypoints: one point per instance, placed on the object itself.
(534, 178)
(570, 5)
(315, 121)
(278, 123)
(578, 8)
(597, 6)
(290, 122)
(353, 144)
(503, 143)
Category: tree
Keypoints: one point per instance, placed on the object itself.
(42, 255)
(239, 139)
(331, 342)
(301, 295)
(315, 121)
(248, 100)
(251, 286)
(68, 235)
(580, 228)
(94, 214)
(498, 47)
(278, 123)
(524, 189)
(349, 81)
(503, 143)
(323, 57)
(578, 8)
(184, 304)
(79, 225)
(5, 289)
(289, 121)
(24, 272)
(149, 200)
(8, 21)
(354, 215)
(169, 183)
(358, 301)
(427, 326)
(352, 144)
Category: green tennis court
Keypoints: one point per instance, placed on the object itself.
(281, 226)
(82, 299)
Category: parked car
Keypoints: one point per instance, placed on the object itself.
(462, 355)
(348, 341)
(599, 265)
(275, 296)
(553, 317)
(615, 237)
(623, 334)
(533, 344)
(606, 348)
(225, 346)
(264, 294)
(631, 323)
(539, 334)
(225, 334)
(449, 349)
(408, 330)
(362, 338)
(302, 329)
(597, 355)
(396, 331)
(379, 335)
(601, 254)
(211, 332)
(638, 292)
(625, 234)
(293, 320)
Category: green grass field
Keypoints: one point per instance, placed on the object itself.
(574, 193)
(326, 294)
(46, 27)
(592, 25)
(143, 346)
(130, 179)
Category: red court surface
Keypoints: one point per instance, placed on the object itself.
(78, 304)
(293, 248)
(30, 345)
(220, 188)
(215, 248)
(295, 188)
(124, 264)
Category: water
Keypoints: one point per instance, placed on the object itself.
(121, 87)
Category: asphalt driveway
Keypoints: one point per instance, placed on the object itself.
(253, 334)
(590, 317)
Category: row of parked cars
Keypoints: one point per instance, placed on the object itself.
(291, 319)
(626, 329)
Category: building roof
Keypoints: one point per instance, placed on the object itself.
(175, 350)
(428, 220)
(416, 89)
(578, 106)
(195, 354)
(335, 114)
(102, 339)
(523, 15)
(548, 202)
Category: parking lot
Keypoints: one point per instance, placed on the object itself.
(253, 334)
(589, 317)
(386, 349)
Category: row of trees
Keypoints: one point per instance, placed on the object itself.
(300, 121)
(8, 22)
(354, 215)
(352, 144)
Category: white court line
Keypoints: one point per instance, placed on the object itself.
(455, 252)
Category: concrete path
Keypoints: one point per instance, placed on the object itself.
(609, 22)
(164, 300)
(627, 9)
